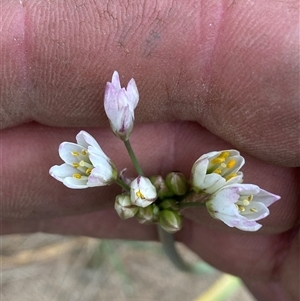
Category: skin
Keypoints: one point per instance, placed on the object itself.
(211, 75)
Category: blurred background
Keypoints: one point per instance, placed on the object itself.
(43, 267)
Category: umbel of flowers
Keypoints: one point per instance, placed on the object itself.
(216, 180)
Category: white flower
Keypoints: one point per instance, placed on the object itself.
(119, 105)
(241, 205)
(86, 165)
(143, 193)
(216, 169)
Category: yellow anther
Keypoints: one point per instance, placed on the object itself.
(88, 171)
(230, 164)
(246, 202)
(253, 210)
(75, 154)
(241, 208)
(217, 160)
(84, 152)
(75, 164)
(140, 195)
(218, 171)
(224, 155)
(232, 175)
(77, 176)
(250, 197)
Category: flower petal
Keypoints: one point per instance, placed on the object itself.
(98, 159)
(247, 225)
(101, 176)
(116, 80)
(65, 152)
(85, 139)
(132, 94)
(246, 189)
(266, 197)
(199, 172)
(262, 211)
(73, 183)
(59, 172)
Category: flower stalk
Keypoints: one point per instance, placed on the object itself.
(133, 158)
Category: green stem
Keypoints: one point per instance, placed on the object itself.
(122, 184)
(169, 247)
(133, 158)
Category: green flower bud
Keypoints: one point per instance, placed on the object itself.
(148, 215)
(162, 189)
(170, 221)
(177, 183)
(124, 207)
(168, 204)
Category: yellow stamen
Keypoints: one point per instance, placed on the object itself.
(140, 195)
(224, 155)
(227, 178)
(75, 154)
(246, 202)
(75, 164)
(88, 171)
(77, 176)
(250, 197)
(253, 210)
(241, 208)
(217, 160)
(230, 164)
(218, 171)
(84, 152)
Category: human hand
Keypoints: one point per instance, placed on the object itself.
(225, 72)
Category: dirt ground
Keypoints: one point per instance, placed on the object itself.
(42, 267)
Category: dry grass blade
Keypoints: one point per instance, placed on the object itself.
(46, 253)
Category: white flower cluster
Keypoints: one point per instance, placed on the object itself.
(215, 175)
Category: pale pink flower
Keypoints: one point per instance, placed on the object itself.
(119, 105)
(241, 205)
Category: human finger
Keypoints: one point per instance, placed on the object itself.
(226, 65)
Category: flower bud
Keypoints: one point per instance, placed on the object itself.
(170, 221)
(119, 105)
(168, 204)
(148, 215)
(162, 189)
(143, 193)
(124, 207)
(177, 183)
